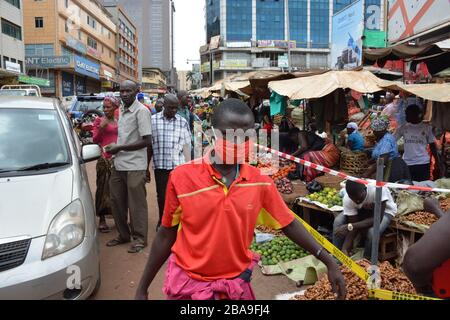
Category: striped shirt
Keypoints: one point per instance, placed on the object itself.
(169, 136)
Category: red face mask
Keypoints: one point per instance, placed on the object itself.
(227, 152)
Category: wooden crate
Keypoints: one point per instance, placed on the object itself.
(388, 247)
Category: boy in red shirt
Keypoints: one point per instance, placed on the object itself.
(212, 207)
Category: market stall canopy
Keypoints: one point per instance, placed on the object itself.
(384, 73)
(439, 92)
(259, 80)
(436, 56)
(318, 86)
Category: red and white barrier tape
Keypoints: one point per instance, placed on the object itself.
(367, 182)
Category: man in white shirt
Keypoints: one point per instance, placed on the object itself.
(418, 135)
(358, 216)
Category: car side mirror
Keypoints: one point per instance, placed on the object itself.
(90, 152)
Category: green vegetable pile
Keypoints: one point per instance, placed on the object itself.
(328, 196)
(280, 249)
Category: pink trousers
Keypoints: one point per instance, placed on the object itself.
(179, 286)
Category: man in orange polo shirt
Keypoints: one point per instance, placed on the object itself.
(212, 207)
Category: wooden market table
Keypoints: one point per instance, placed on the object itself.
(304, 209)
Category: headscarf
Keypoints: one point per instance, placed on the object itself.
(380, 123)
(113, 99)
(352, 125)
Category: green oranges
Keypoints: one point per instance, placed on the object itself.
(280, 249)
(328, 196)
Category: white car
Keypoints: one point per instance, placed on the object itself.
(48, 238)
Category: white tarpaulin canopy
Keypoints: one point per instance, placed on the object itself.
(439, 92)
(323, 84)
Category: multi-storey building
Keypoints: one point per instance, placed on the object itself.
(127, 44)
(72, 43)
(154, 81)
(247, 35)
(12, 49)
(154, 21)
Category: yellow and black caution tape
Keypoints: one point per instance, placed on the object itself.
(357, 269)
(352, 265)
(392, 295)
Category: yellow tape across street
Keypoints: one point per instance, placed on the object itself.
(391, 295)
(352, 265)
(357, 269)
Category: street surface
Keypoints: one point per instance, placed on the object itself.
(121, 271)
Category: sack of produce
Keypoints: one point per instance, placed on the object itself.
(408, 202)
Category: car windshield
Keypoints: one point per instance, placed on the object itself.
(89, 105)
(13, 92)
(31, 140)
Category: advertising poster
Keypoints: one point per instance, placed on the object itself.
(346, 39)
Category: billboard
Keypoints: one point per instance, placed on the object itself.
(284, 44)
(409, 18)
(346, 38)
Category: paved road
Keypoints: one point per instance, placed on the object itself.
(121, 271)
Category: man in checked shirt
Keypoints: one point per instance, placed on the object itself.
(171, 146)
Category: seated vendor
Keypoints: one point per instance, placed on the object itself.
(315, 149)
(358, 216)
(355, 140)
(427, 262)
(386, 147)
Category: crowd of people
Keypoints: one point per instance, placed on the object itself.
(202, 202)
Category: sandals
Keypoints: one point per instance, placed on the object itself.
(136, 248)
(116, 242)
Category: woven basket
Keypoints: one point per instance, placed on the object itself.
(330, 181)
(354, 163)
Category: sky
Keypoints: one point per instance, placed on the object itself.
(189, 32)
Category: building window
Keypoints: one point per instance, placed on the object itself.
(67, 3)
(239, 20)
(38, 22)
(11, 29)
(79, 34)
(15, 3)
(270, 20)
(66, 27)
(103, 49)
(92, 22)
(92, 43)
(39, 49)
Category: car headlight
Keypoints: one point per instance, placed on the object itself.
(66, 231)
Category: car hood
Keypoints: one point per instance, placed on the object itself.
(29, 203)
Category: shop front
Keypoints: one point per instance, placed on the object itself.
(108, 78)
(87, 77)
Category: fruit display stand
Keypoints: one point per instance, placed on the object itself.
(298, 190)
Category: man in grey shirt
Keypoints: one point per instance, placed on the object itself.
(130, 172)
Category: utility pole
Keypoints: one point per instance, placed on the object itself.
(287, 17)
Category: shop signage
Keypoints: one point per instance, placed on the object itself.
(75, 44)
(87, 67)
(107, 84)
(67, 84)
(48, 61)
(12, 66)
(277, 44)
(283, 61)
(239, 44)
(214, 43)
(80, 84)
(33, 80)
(234, 64)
